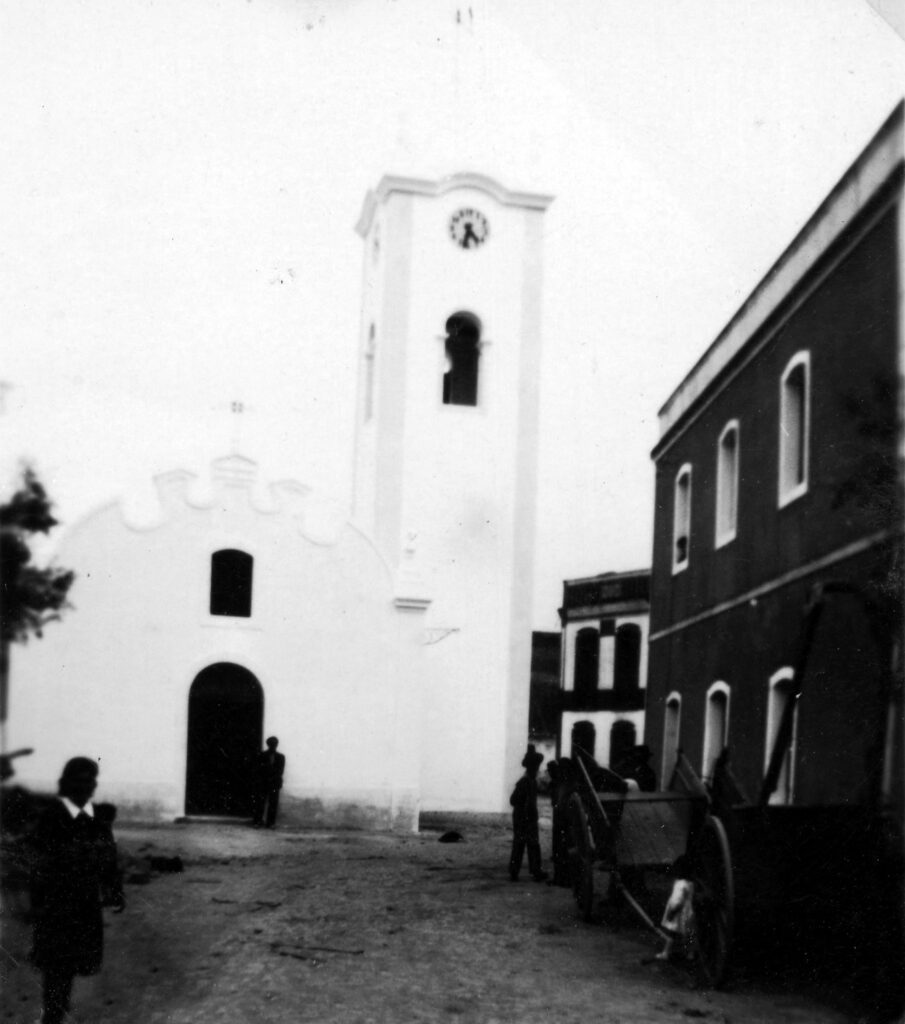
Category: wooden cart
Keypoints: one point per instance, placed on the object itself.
(628, 833)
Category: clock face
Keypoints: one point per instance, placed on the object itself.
(469, 228)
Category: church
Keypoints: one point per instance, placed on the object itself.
(389, 650)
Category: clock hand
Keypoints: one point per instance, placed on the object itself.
(469, 236)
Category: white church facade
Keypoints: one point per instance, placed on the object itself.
(389, 651)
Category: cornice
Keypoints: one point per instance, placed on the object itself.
(391, 183)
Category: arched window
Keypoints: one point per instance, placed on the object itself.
(727, 460)
(231, 576)
(628, 658)
(587, 661)
(672, 721)
(463, 350)
(794, 428)
(370, 357)
(584, 735)
(716, 727)
(782, 692)
(623, 736)
(681, 522)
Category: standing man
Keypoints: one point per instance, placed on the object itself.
(74, 874)
(268, 784)
(524, 819)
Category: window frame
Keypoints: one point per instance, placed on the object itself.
(714, 689)
(218, 564)
(784, 793)
(726, 488)
(788, 491)
(448, 379)
(668, 756)
(677, 565)
(582, 641)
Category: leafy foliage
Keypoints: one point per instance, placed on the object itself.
(30, 597)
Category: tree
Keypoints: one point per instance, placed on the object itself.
(30, 596)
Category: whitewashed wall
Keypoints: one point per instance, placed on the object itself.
(332, 639)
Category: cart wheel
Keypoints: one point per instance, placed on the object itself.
(581, 857)
(714, 902)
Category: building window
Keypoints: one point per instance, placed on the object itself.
(463, 350)
(584, 735)
(727, 459)
(782, 693)
(671, 724)
(681, 528)
(794, 428)
(628, 658)
(716, 727)
(587, 662)
(370, 356)
(231, 574)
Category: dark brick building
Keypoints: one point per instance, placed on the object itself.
(778, 469)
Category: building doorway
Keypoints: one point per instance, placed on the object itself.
(226, 718)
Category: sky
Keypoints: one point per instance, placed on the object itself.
(181, 184)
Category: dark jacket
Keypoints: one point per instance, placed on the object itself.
(74, 872)
(270, 775)
(524, 809)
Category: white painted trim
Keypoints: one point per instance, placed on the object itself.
(785, 493)
(727, 535)
(390, 183)
(668, 758)
(774, 717)
(712, 691)
(815, 283)
(859, 185)
(839, 555)
(681, 566)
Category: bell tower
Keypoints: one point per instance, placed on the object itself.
(446, 455)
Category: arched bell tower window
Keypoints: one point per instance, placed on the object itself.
(231, 573)
(463, 350)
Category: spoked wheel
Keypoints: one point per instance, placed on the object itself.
(714, 902)
(581, 857)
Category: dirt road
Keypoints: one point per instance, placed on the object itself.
(295, 926)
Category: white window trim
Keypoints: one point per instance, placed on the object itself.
(669, 757)
(783, 675)
(707, 769)
(678, 566)
(786, 495)
(725, 536)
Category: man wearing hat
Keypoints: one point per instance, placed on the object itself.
(268, 784)
(75, 873)
(524, 819)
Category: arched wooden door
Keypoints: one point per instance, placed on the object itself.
(226, 717)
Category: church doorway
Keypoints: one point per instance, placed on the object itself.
(226, 718)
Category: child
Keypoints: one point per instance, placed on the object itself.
(678, 917)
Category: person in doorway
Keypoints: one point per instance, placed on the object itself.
(524, 819)
(75, 873)
(268, 783)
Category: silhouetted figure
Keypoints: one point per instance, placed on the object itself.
(524, 819)
(74, 874)
(268, 783)
(565, 787)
